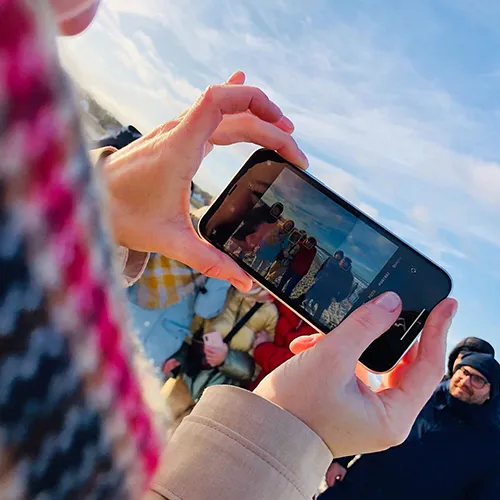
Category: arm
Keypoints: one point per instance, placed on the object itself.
(238, 365)
(210, 304)
(264, 452)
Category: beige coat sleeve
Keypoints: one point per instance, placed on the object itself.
(236, 445)
(130, 262)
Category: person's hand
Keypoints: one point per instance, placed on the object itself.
(170, 365)
(261, 338)
(320, 388)
(215, 356)
(335, 473)
(149, 181)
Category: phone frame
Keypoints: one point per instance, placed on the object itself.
(335, 198)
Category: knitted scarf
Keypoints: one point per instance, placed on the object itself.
(73, 423)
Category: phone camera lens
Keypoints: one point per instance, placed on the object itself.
(413, 270)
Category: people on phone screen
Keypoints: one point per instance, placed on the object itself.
(238, 207)
(332, 283)
(271, 246)
(299, 266)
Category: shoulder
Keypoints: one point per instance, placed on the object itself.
(270, 308)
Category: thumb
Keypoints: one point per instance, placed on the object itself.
(350, 339)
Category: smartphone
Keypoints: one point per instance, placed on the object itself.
(213, 339)
(319, 254)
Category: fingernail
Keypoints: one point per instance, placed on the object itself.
(388, 301)
(239, 284)
(453, 310)
(287, 123)
(304, 162)
(307, 340)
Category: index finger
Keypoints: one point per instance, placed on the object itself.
(206, 114)
(420, 379)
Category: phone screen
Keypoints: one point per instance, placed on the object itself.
(321, 255)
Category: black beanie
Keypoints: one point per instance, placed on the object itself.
(485, 364)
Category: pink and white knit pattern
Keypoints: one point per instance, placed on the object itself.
(73, 423)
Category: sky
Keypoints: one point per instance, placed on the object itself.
(396, 104)
(333, 227)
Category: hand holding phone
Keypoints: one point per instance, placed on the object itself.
(215, 348)
(335, 259)
(261, 338)
(213, 339)
(321, 388)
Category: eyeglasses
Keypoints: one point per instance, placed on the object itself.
(476, 381)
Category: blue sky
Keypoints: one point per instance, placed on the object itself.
(397, 105)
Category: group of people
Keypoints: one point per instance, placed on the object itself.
(285, 254)
(334, 282)
(76, 416)
(254, 331)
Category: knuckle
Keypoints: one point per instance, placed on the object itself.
(209, 95)
(166, 127)
(212, 271)
(364, 318)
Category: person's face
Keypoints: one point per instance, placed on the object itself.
(254, 239)
(465, 385)
(74, 16)
(344, 264)
(248, 192)
(457, 361)
(337, 257)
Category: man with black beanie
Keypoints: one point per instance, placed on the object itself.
(452, 452)
(469, 344)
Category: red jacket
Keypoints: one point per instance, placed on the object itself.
(303, 260)
(270, 355)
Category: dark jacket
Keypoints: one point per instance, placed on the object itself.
(331, 279)
(452, 453)
(303, 260)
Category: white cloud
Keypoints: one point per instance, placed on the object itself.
(382, 135)
(485, 184)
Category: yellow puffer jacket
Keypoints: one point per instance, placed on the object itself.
(237, 305)
(239, 366)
